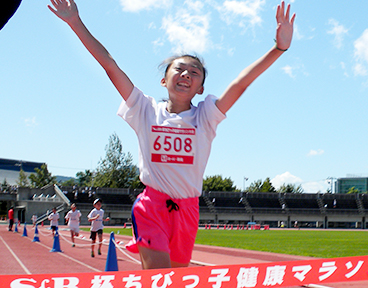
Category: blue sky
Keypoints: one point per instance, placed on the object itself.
(302, 121)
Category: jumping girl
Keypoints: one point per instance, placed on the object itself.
(174, 139)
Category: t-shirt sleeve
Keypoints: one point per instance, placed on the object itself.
(135, 110)
(210, 115)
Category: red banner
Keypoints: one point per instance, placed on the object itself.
(274, 274)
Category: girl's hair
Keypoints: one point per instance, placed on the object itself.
(165, 65)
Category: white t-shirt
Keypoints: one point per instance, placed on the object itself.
(54, 219)
(173, 148)
(98, 223)
(73, 218)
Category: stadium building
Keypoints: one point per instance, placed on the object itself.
(9, 169)
(317, 210)
(343, 185)
(216, 208)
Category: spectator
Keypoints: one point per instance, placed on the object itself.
(11, 218)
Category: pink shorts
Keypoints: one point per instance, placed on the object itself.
(165, 224)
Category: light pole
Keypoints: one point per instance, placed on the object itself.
(244, 179)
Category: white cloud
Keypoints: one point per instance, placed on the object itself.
(296, 33)
(361, 54)
(316, 186)
(152, 25)
(288, 70)
(157, 43)
(188, 33)
(343, 67)
(308, 187)
(285, 178)
(231, 51)
(194, 5)
(249, 9)
(360, 70)
(137, 5)
(30, 122)
(316, 152)
(361, 46)
(338, 31)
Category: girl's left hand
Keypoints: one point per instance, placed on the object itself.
(284, 30)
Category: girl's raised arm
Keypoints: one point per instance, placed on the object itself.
(67, 11)
(284, 33)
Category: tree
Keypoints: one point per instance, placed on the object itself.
(116, 170)
(42, 177)
(217, 183)
(137, 184)
(22, 179)
(259, 186)
(70, 182)
(84, 178)
(353, 190)
(5, 186)
(254, 187)
(290, 188)
(267, 186)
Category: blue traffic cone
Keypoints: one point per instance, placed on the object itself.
(25, 231)
(16, 228)
(36, 238)
(112, 260)
(56, 246)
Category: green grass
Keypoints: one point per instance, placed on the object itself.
(120, 231)
(314, 243)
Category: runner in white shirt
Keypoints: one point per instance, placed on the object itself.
(73, 220)
(96, 218)
(54, 220)
(34, 219)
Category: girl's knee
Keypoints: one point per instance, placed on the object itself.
(153, 259)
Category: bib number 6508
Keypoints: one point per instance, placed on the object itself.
(173, 143)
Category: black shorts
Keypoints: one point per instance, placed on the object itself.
(54, 228)
(94, 233)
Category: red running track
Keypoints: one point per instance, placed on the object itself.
(20, 255)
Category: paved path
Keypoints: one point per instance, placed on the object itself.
(20, 255)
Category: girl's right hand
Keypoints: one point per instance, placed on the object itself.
(66, 11)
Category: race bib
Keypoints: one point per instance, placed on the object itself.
(173, 145)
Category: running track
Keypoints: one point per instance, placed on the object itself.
(20, 255)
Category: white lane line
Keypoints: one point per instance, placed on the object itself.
(71, 258)
(201, 263)
(16, 258)
(68, 257)
(316, 286)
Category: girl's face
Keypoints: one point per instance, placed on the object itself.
(184, 78)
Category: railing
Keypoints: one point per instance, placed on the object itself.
(61, 194)
(121, 191)
(337, 211)
(259, 210)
